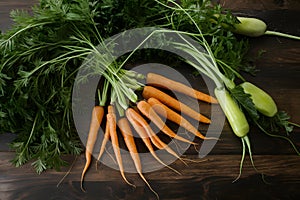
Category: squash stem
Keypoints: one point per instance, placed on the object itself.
(282, 35)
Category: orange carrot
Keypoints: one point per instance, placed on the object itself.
(96, 119)
(104, 142)
(147, 110)
(150, 91)
(164, 82)
(161, 145)
(143, 134)
(130, 143)
(111, 118)
(110, 110)
(149, 133)
(173, 116)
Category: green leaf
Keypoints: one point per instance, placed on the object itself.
(277, 123)
(39, 166)
(245, 101)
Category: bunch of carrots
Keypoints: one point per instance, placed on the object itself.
(155, 105)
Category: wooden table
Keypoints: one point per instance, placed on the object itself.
(279, 75)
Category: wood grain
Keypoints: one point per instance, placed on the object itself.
(211, 179)
(6, 6)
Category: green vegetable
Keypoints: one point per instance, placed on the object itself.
(251, 27)
(254, 27)
(245, 101)
(207, 64)
(263, 102)
(234, 114)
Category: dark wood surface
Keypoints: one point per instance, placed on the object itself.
(212, 179)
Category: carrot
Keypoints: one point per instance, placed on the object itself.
(104, 142)
(150, 91)
(173, 116)
(111, 118)
(141, 122)
(96, 119)
(130, 143)
(106, 137)
(147, 110)
(144, 136)
(164, 82)
(161, 145)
